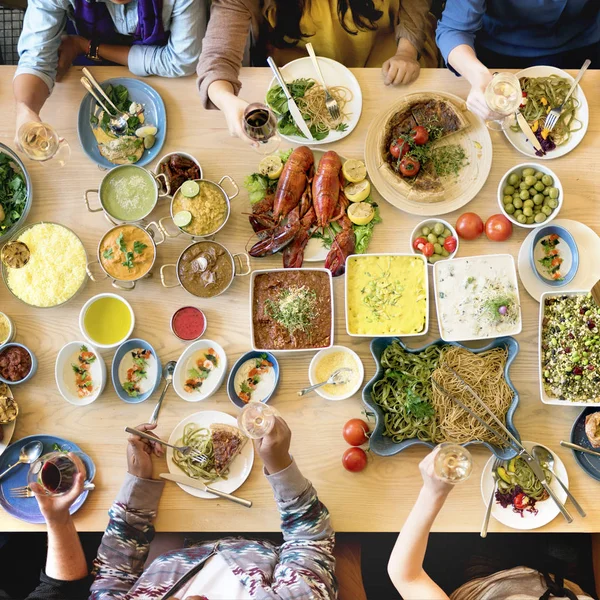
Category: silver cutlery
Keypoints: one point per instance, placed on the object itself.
(29, 453)
(488, 511)
(25, 491)
(338, 377)
(168, 371)
(118, 119)
(524, 125)
(200, 485)
(330, 102)
(580, 448)
(185, 450)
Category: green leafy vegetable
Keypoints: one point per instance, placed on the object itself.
(13, 194)
(121, 243)
(108, 254)
(139, 247)
(257, 186)
(131, 388)
(128, 260)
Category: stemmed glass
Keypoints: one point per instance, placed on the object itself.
(503, 96)
(40, 142)
(55, 472)
(256, 420)
(260, 125)
(453, 463)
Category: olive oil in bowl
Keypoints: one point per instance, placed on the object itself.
(107, 320)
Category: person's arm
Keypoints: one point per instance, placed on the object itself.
(126, 542)
(405, 566)
(306, 558)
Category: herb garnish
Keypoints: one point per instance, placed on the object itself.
(128, 260)
(139, 247)
(108, 254)
(381, 292)
(294, 309)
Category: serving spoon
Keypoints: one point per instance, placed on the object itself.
(167, 373)
(544, 456)
(338, 377)
(29, 453)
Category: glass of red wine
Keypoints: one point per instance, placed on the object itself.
(55, 472)
(260, 125)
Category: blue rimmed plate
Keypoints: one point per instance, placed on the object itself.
(153, 378)
(253, 354)
(385, 446)
(26, 509)
(588, 462)
(154, 111)
(568, 250)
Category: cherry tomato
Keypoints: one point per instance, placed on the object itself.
(469, 226)
(354, 459)
(450, 244)
(420, 135)
(521, 502)
(428, 249)
(355, 432)
(409, 167)
(419, 243)
(399, 148)
(498, 228)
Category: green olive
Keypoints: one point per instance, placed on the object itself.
(513, 179)
(530, 220)
(538, 174)
(509, 190)
(546, 191)
(552, 203)
(524, 195)
(432, 238)
(507, 199)
(448, 233)
(437, 248)
(434, 258)
(528, 211)
(540, 217)
(528, 203)
(530, 180)
(509, 208)
(539, 186)
(523, 186)
(445, 252)
(546, 210)
(547, 180)
(522, 219)
(438, 229)
(441, 239)
(518, 213)
(425, 231)
(518, 203)
(553, 193)
(529, 171)
(538, 199)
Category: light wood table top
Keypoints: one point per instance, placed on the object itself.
(379, 498)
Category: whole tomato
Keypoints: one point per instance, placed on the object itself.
(355, 432)
(469, 226)
(428, 249)
(498, 228)
(450, 244)
(420, 135)
(409, 166)
(354, 460)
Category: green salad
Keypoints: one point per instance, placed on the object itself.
(119, 95)
(13, 194)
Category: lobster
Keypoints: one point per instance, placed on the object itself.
(326, 187)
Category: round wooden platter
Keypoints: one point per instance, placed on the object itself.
(458, 191)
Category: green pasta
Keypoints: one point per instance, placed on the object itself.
(199, 438)
(522, 475)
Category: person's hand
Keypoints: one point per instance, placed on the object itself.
(476, 99)
(24, 115)
(431, 482)
(70, 48)
(402, 68)
(140, 451)
(55, 509)
(233, 109)
(274, 448)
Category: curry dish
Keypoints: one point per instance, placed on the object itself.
(205, 269)
(127, 253)
(208, 208)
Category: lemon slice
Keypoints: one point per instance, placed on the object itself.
(357, 192)
(182, 218)
(354, 171)
(190, 189)
(361, 213)
(271, 166)
(142, 132)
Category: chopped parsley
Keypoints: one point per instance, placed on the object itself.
(294, 309)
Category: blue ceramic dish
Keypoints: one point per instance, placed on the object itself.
(249, 355)
(588, 462)
(27, 509)
(568, 239)
(122, 350)
(154, 111)
(385, 446)
(34, 365)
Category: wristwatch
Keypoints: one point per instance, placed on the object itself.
(92, 53)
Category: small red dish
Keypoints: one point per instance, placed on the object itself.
(188, 323)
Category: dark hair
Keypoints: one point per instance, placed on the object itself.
(287, 31)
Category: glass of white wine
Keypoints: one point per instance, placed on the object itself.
(256, 420)
(453, 463)
(40, 142)
(503, 96)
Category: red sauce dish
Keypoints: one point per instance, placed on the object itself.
(16, 363)
(188, 323)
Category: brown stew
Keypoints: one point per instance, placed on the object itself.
(15, 363)
(205, 269)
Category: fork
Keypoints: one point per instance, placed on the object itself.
(330, 102)
(24, 491)
(488, 512)
(554, 114)
(187, 451)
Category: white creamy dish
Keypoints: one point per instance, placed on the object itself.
(477, 298)
(254, 380)
(138, 372)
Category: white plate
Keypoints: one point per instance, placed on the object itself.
(7, 430)
(185, 362)
(334, 73)
(588, 245)
(240, 467)
(547, 509)
(518, 139)
(65, 378)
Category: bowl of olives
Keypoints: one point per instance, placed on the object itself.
(530, 195)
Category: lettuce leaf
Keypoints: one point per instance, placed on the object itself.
(257, 186)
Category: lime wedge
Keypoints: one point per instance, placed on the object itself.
(183, 218)
(190, 189)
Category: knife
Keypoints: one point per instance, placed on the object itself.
(539, 473)
(195, 483)
(292, 106)
(524, 125)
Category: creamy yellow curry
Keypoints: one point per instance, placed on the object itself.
(127, 252)
(208, 209)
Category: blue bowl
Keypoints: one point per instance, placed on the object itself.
(249, 355)
(588, 462)
(34, 364)
(154, 111)
(385, 446)
(566, 237)
(122, 350)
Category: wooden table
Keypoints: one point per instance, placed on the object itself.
(377, 499)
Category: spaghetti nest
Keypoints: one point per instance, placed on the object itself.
(199, 438)
(312, 105)
(484, 372)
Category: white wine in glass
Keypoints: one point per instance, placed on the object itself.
(503, 96)
(41, 143)
(256, 420)
(453, 463)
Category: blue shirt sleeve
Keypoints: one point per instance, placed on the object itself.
(180, 56)
(38, 46)
(460, 22)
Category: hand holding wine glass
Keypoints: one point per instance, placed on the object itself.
(274, 447)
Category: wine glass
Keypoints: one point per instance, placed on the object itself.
(256, 420)
(40, 142)
(55, 472)
(260, 125)
(453, 463)
(503, 96)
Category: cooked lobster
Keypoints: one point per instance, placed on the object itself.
(326, 187)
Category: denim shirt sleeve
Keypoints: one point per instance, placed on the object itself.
(43, 25)
(180, 55)
(460, 22)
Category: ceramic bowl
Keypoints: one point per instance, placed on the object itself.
(65, 378)
(154, 378)
(430, 223)
(34, 364)
(570, 254)
(313, 368)
(85, 309)
(231, 379)
(166, 157)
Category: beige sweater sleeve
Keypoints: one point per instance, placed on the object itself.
(413, 22)
(224, 43)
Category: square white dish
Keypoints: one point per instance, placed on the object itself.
(496, 262)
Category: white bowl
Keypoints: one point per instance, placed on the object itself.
(537, 167)
(416, 232)
(12, 330)
(84, 310)
(65, 378)
(185, 362)
(313, 367)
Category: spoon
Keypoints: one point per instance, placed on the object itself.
(544, 456)
(118, 120)
(167, 373)
(29, 453)
(338, 377)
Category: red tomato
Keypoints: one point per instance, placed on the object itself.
(420, 135)
(469, 226)
(399, 148)
(419, 243)
(450, 244)
(409, 167)
(355, 432)
(498, 228)
(521, 502)
(428, 249)
(354, 459)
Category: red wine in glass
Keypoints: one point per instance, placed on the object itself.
(54, 472)
(260, 125)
